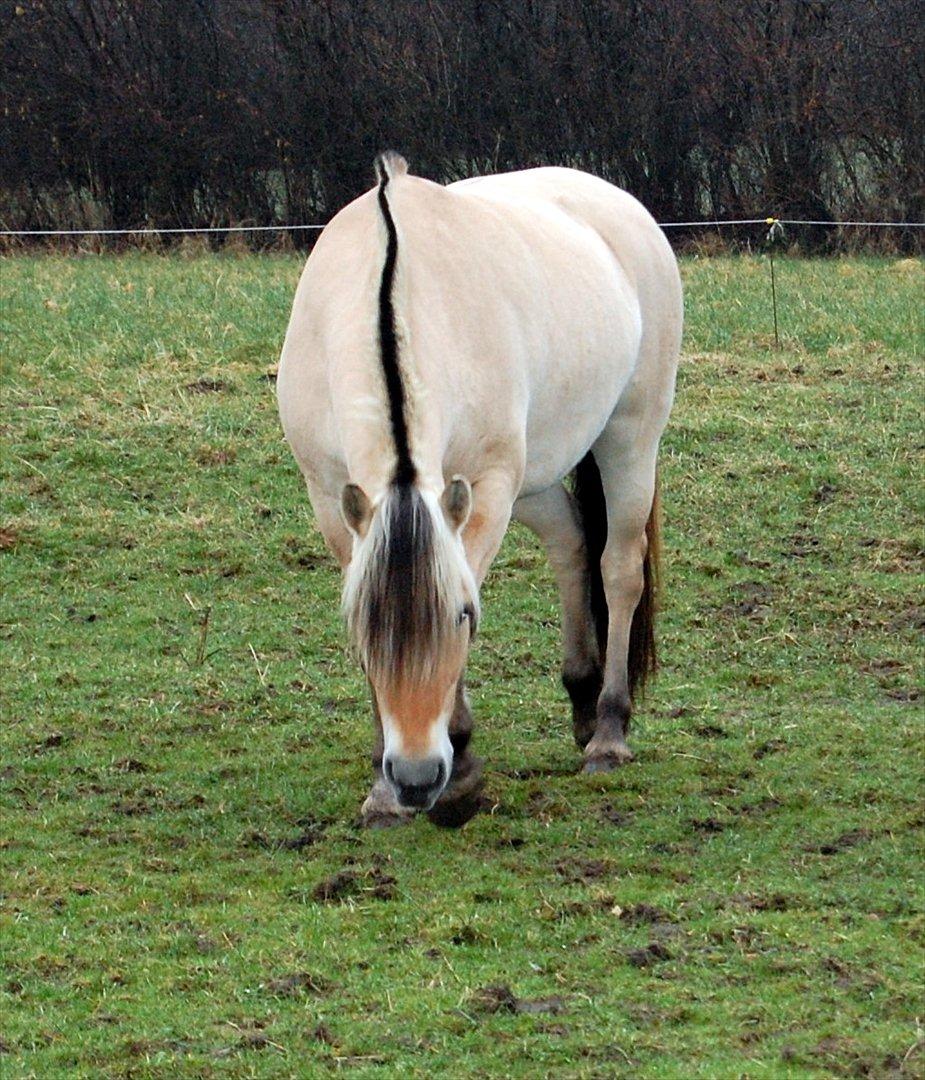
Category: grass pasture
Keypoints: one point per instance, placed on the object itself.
(185, 892)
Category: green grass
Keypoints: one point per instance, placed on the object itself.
(158, 770)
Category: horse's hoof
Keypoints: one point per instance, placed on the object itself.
(609, 760)
(454, 813)
(583, 733)
(383, 820)
(462, 799)
(381, 809)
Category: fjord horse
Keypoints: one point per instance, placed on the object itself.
(454, 355)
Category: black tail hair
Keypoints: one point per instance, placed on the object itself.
(641, 657)
(387, 166)
(589, 494)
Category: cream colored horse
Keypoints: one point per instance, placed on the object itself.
(454, 354)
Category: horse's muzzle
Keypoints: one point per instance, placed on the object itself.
(417, 781)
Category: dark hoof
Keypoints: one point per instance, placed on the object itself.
(462, 799)
(376, 820)
(584, 691)
(583, 730)
(455, 813)
(613, 759)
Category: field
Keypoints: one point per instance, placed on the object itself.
(185, 741)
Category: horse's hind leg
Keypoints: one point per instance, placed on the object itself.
(625, 457)
(553, 516)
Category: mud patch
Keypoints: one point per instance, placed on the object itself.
(644, 915)
(751, 600)
(131, 765)
(538, 772)
(842, 843)
(349, 884)
(295, 985)
(8, 538)
(212, 456)
(305, 839)
(614, 816)
(654, 953)
(800, 545)
(905, 694)
(707, 826)
(50, 742)
(756, 902)
(711, 731)
(578, 870)
(501, 999)
(298, 556)
(912, 618)
(207, 386)
(772, 746)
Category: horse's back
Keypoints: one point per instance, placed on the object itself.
(524, 299)
(641, 288)
(629, 231)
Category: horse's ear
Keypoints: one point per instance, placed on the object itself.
(356, 508)
(457, 502)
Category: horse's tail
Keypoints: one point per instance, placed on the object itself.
(592, 509)
(642, 658)
(589, 494)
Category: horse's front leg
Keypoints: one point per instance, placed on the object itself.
(381, 809)
(461, 798)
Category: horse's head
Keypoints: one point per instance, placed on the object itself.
(411, 605)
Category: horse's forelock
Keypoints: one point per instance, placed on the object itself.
(403, 590)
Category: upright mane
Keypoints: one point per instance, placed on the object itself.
(388, 165)
(407, 583)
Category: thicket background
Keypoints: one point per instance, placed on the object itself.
(202, 112)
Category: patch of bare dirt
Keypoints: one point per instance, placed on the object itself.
(297, 555)
(538, 772)
(711, 731)
(578, 870)
(847, 840)
(644, 915)
(212, 456)
(295, 985)
(349, 883)
(757, 902)
(50, 742)
(9, 538)
(801, 544)
(751, 600)
(131, 765)
(207, 386)
(904, 693)
(501, 999)
(707, 826)
(653, 953)
(771, 746)
(912, 618)
(615, 816)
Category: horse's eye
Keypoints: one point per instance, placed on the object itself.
(468, 612)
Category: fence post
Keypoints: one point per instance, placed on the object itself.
(775, 231)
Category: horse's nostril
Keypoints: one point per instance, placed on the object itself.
(387, 769)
